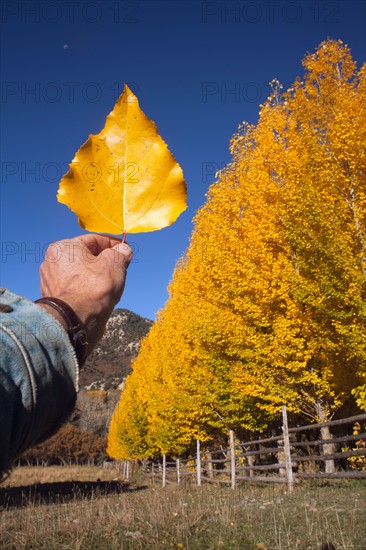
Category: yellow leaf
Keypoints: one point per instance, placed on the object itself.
(124, 178)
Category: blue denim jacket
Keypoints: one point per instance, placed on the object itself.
(38, 376)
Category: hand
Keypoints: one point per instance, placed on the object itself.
(89, 273)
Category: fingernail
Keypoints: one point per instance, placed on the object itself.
(124, 249)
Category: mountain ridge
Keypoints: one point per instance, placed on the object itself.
(110, 362)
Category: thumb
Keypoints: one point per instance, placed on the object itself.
(125, 250)
(120, 254)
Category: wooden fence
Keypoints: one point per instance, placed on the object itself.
(298, 453)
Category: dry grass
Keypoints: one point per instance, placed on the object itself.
(32, 475)
(185, 517)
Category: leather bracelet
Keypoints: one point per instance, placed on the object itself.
(75, 330)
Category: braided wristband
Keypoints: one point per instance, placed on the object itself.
(75, 328)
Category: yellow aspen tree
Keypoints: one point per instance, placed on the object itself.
(158, 410)
(268, 306)
(127, 437)
(294, 198)
(323, 215)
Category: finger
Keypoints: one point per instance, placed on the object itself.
(120, 254)
(97, 243)
(124, 249)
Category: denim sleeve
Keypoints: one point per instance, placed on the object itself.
(38, 376)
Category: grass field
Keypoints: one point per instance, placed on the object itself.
(88, 508)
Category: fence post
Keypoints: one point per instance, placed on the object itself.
(198, 463)
(178, 470)
(164, 470)
(127, 470)
(232, 459)
(287, 451)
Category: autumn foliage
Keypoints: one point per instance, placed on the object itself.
(267, 308)
(100, 186)
(68, 446)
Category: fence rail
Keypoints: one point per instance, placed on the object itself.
(292, 459)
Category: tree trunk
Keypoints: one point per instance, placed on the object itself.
(251, 460)
(210, 471)
(328, 449)
(281, 458)
(325, 433)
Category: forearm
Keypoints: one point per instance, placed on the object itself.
(38, 376)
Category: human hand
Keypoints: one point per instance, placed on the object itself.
(88, 273)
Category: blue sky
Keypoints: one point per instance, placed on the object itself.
(198, 68)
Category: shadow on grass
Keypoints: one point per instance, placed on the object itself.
(61, 491)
